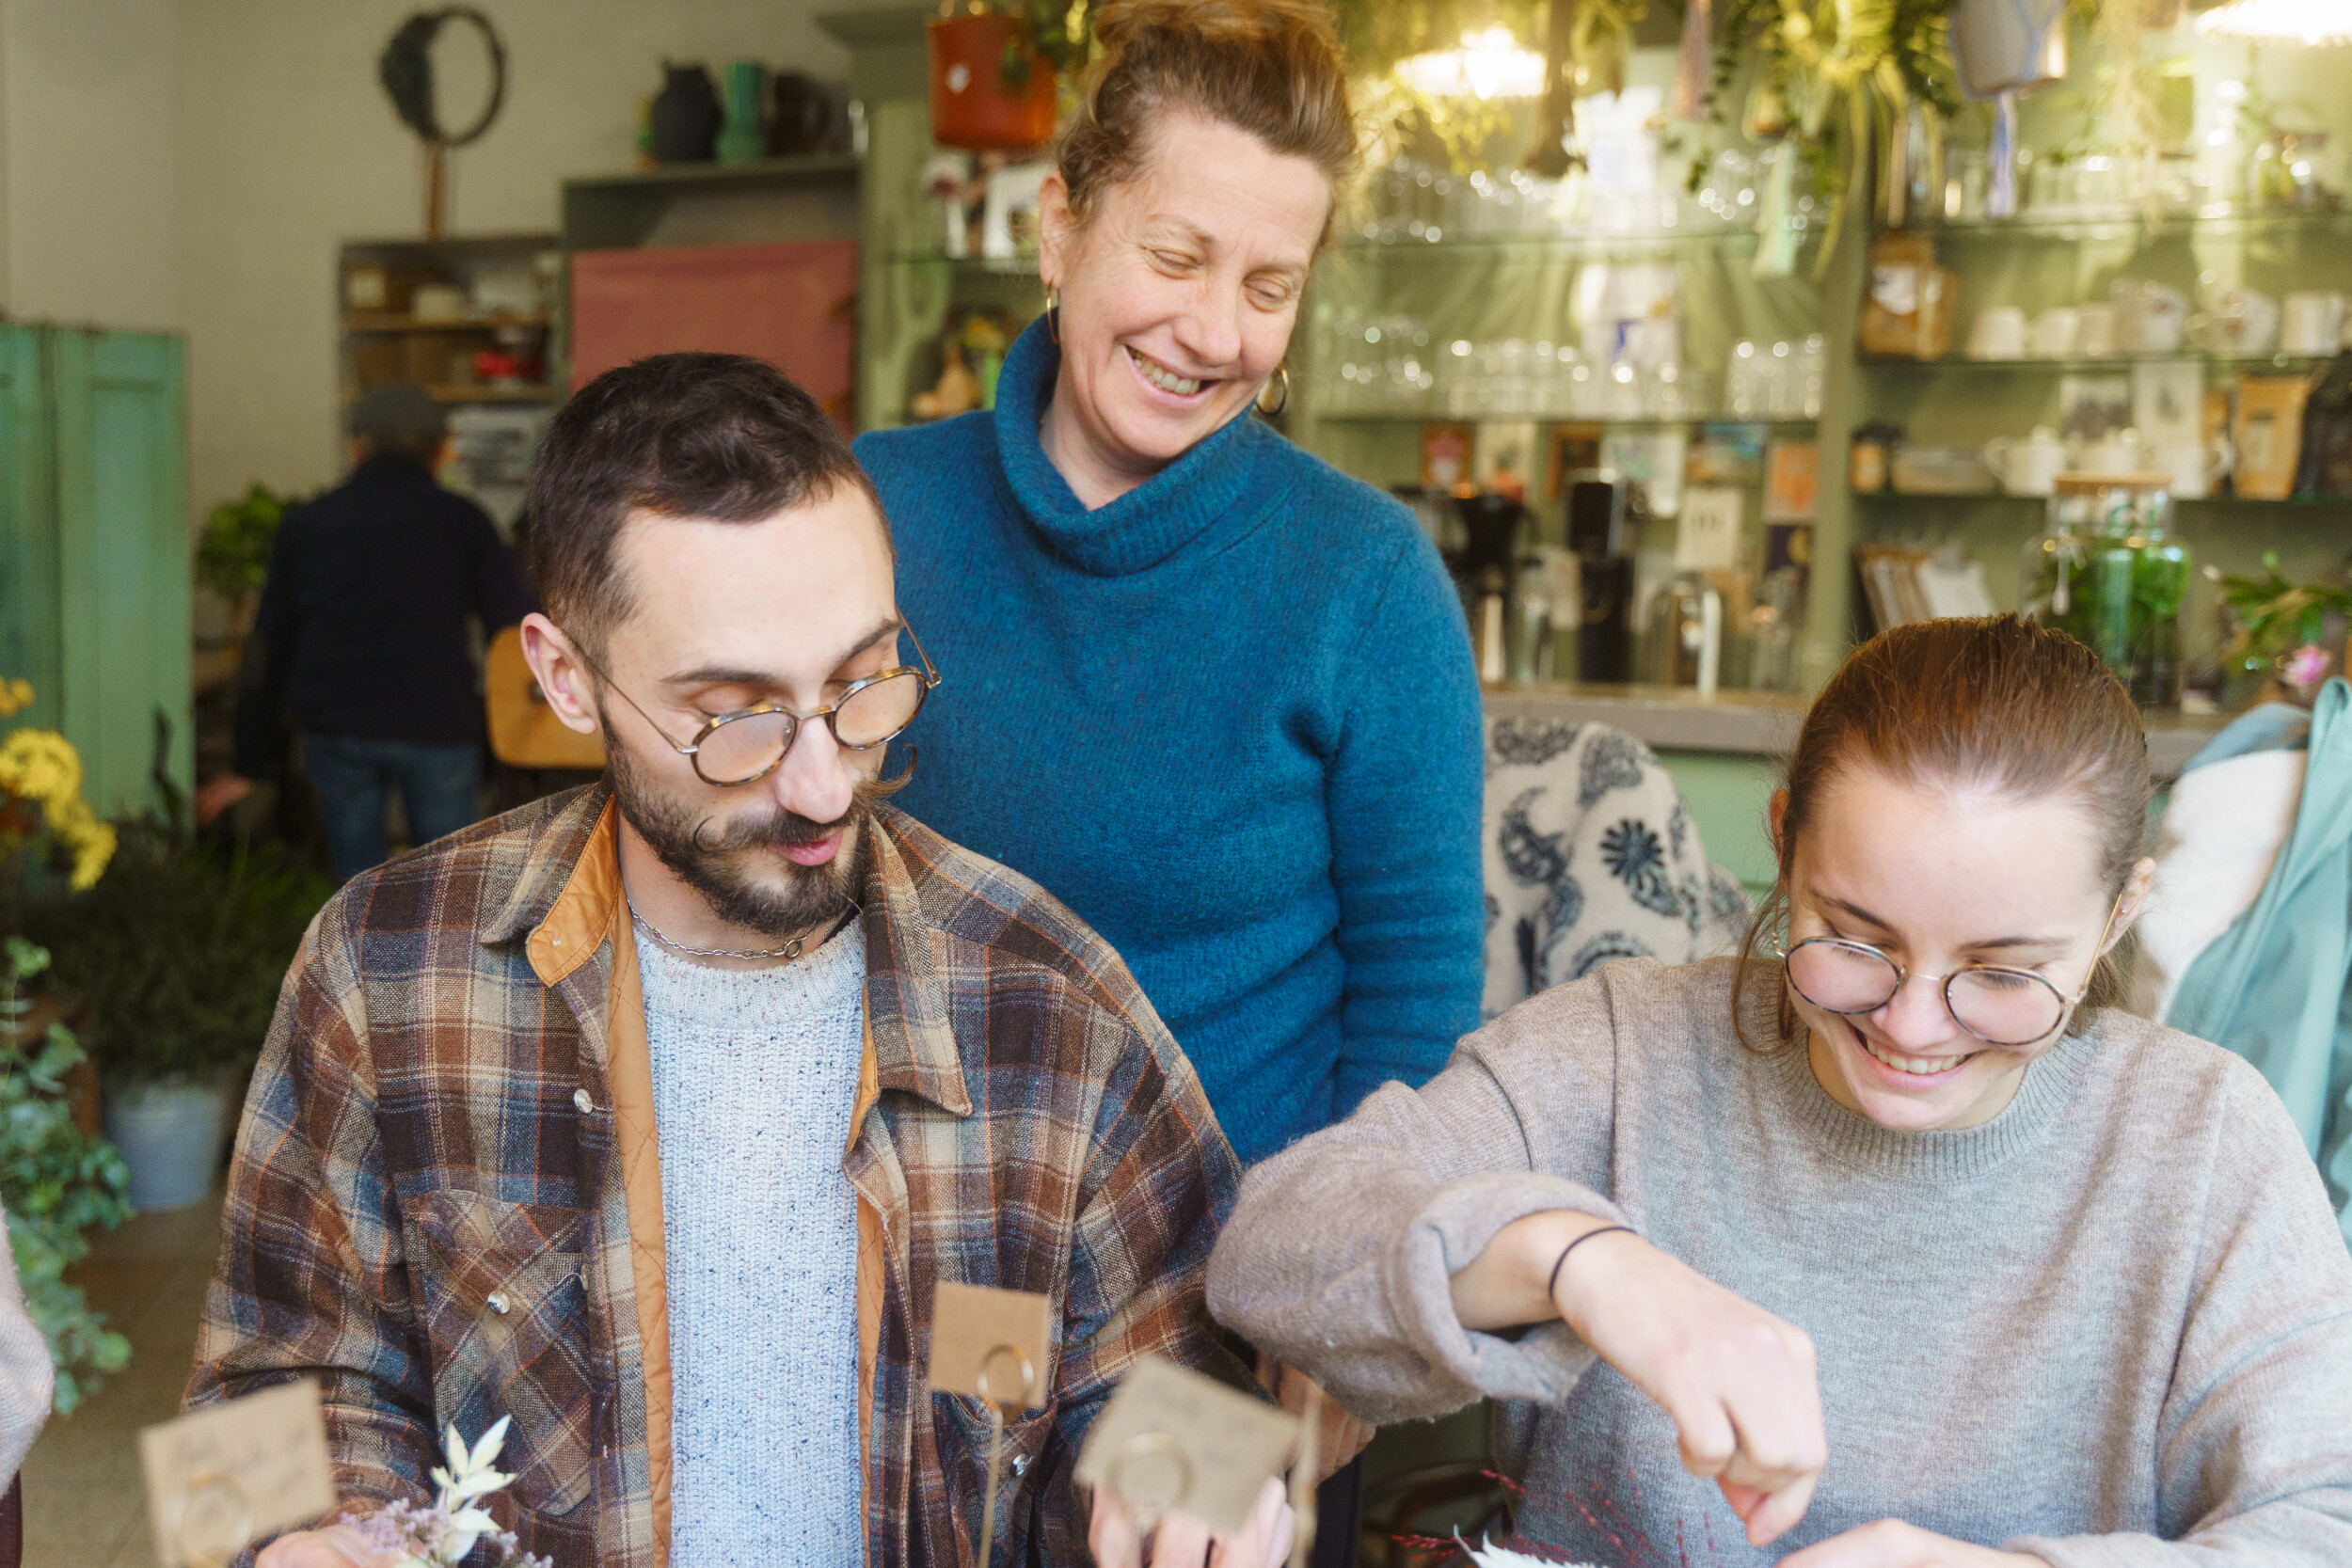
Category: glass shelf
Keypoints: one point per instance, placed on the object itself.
(1736, 237)
(2289, 362)
(973, 267)
(1485, 416)
(2127, 222)
(2307, 502)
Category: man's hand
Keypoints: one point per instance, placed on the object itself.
(335, 1546)
(216, 795)
(1892, 1544)
(1181, 1541)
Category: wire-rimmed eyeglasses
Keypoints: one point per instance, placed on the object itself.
(1997, 1005)
(748, 744)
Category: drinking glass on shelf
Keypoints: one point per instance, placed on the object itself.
(1742, 387)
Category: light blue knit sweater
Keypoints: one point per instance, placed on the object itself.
(1230, 718)
(754, 1075)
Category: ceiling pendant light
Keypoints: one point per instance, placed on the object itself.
(2312, 22)
(1490, 64)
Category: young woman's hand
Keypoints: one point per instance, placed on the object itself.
(1184, 1542)
(1737, 1382)
(1892, 1544)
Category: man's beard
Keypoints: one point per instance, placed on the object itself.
(702, 847)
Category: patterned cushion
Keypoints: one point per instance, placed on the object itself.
(1589, 856)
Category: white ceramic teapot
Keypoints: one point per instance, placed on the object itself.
(2121, 452)
(2026, 467)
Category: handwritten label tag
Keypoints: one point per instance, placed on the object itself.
(222, 1477)
(1004, 1336)
(1708, 537)
(1174, 1441)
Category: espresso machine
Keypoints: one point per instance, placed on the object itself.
(1603, 520)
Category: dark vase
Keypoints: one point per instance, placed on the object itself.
(806, 115)
(686, 116)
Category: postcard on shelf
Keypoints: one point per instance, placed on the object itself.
(1653, 460)
(1707, 536)
(1575, 450)
(1445, 453)
(1171, 1440)
(2169, 402)
(1727, 455)
(231, 1473)
(995, 1345)
(1792, 482)
(1503, 456)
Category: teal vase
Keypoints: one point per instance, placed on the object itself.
(744, 138)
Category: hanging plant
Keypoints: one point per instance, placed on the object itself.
(1837, 79)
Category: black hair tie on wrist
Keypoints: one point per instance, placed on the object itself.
(1553, 1283)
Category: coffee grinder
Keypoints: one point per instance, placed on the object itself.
(1602, 515)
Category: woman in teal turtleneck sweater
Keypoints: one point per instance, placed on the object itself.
(1213, 694)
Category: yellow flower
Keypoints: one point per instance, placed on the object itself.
(91, 855)
(15, 697)
(40, 764)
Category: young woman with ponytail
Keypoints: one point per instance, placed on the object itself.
(2058, 1287)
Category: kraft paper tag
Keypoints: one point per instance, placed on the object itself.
(1002, 1336)
(220, 1478)
(1174, 1441)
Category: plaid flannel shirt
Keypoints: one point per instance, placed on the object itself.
(437, 1208)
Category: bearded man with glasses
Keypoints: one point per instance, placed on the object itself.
(652, 1116)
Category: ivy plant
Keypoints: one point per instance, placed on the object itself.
(56, 1183)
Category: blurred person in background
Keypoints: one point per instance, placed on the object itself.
(364, 637)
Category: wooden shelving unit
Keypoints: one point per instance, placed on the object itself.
(494, 423)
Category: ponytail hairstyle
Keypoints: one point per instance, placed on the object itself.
(1272, 68)
(2001, 704)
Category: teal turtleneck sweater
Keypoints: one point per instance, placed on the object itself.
(1230, 719)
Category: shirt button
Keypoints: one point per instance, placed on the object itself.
(583, 1102)
(498, 1303)
(1021, 1465)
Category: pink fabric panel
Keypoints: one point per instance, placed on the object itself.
(794, 306)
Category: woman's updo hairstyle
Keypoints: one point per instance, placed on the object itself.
(1272, 68)
(1998, 704)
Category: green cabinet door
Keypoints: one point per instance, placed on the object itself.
(94, 548)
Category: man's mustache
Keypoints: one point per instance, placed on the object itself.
(785, 830)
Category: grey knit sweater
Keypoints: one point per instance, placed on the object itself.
(754, 1075)
(2112, 1327)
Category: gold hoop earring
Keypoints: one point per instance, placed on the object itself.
(1281, 373)
(1053, 312)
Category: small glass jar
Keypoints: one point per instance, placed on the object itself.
(2108, 572)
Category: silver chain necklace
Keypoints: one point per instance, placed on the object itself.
(789, 951)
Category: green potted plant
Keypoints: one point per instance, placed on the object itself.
(994, 68)
(232, 554)
(56, 1183)
(1838, 79)
(177, 955)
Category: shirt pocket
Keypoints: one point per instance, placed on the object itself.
(507, 1314)
(962, 1435)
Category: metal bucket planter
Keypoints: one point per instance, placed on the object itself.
(172, 1136)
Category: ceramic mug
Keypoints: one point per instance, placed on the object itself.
(2314, 323)
(1997, 333)
(2194, 469)
(2243, 322)
(2095, 331)
(2056, 332)
(2028, 467)
(2150, 318)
